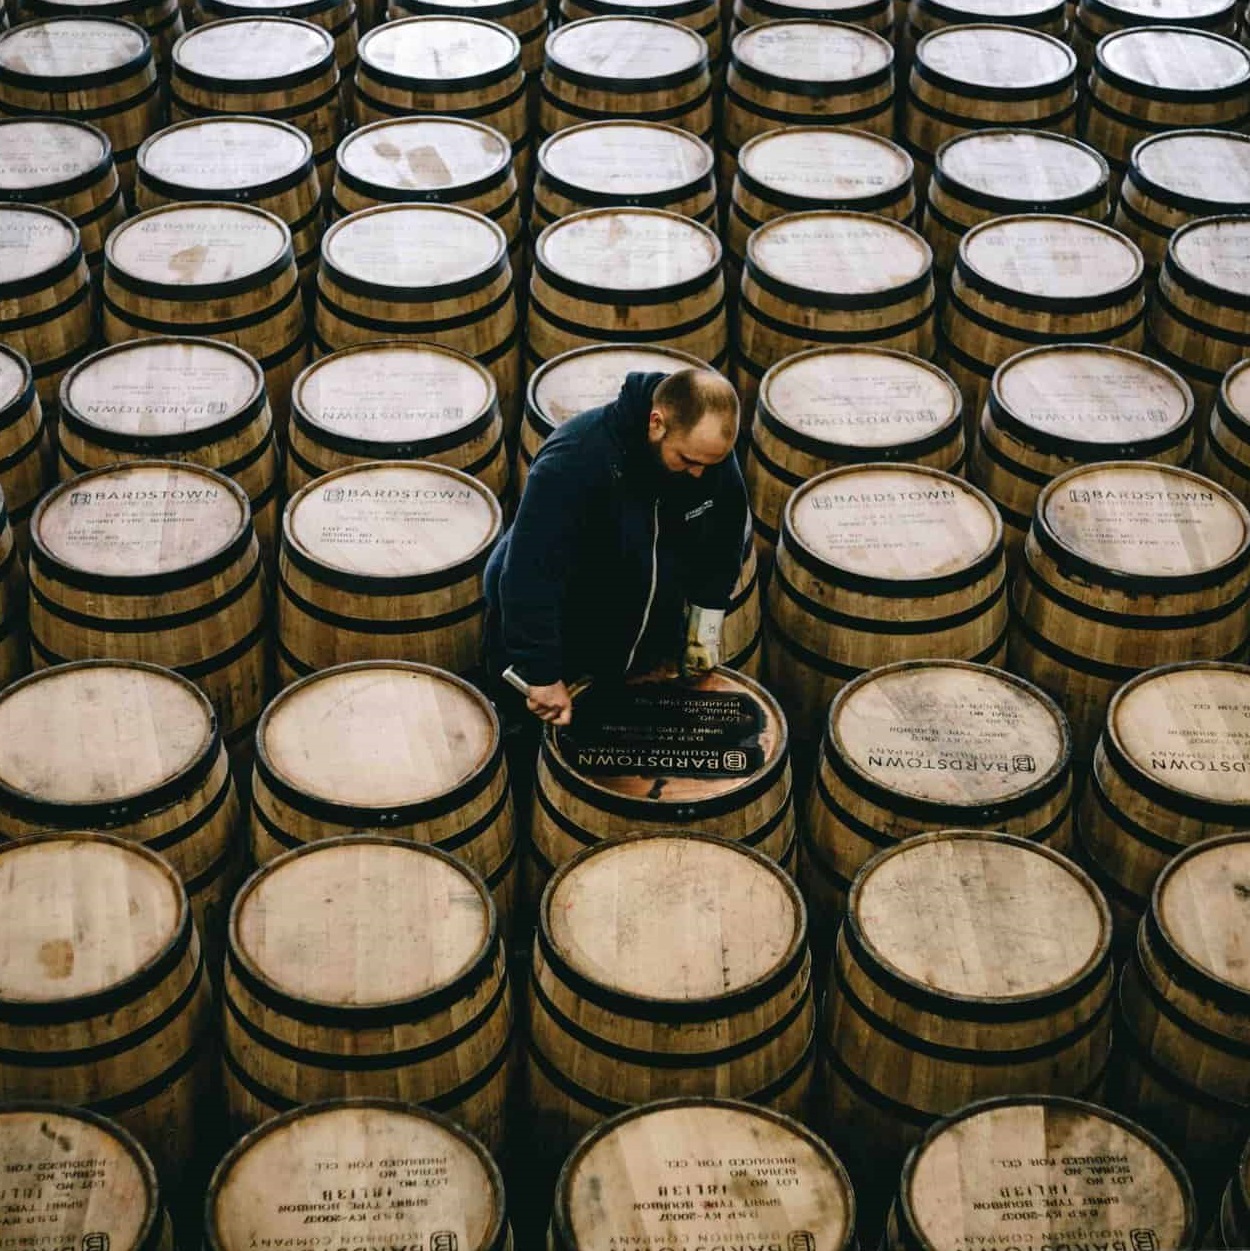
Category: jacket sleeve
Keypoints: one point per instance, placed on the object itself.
(712, 577)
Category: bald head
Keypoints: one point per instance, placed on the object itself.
(694, 421)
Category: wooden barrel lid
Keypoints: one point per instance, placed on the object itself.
(253, 50)
(799, 166)
(839, 253)
(775, 1183)
(970, 916)
(1089, 400)
(1234, 396)
(1037, 1172)
(433, 248)
(49, 155)
(1173, 59)
(861, 398)
(1012, 167)
(622, 160)
(334, 923)
(626, 53)
(37, 248)
(627, 249)
(15, 377)
(1211, 252)
(165, 392)
(995, 56)
(673, 918)
(950, 734)
(260, 155)
(415, 154)
(1182, 12)
(1185, 730)
(813, 53)
(94, 734)
(1134, 521)
(439, 50)
(390, 520)
(1010, 12)
(384, 735)
(1206, 169)
(82, 914)
(427, 1182)
(892, 524)
(71, 50)
(69, 1170)
(394, 399)
(1047, 257)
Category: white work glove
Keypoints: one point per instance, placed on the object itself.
(701, 653)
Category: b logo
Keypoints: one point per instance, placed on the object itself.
(734, 760)
(1023, 764)
(79, 497)
(443, 1241)
(1078, 497)
(95, 1242)
(801, 1240)
(333, 495)
(1144, 1240)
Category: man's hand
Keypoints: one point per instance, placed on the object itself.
(701, 653)
(552, 704)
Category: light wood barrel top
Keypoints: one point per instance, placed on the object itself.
(33, 241)
(392, 519)
(414, 247)
(983, 1179)
(377, 735)
(1000, 10)
(1187, 728)
(1174, 59)
(224, 153)
(1208, 165)
(1051, 257)
(1180, 11)
(1215, 252)
(394, 393)
(424, 1178)
(980, 917)
(1235, 391)
(184, 246)
(860, 397)
(424, 153)
(361, 922)
(824, 163)
(142, 519)
(1092, 395)
(162, 387)
(813, 52)
(80, 914)
(13, 378)
(626, 158)
(949, 733)
(625, 249)
(70, 1171)
(620, 51)
(100, 732)
(996, 56)
(42, 152)
(71, 47)
(673, 918)
(439, 49)
(839, 253)
(625, 1185)
(1145, 520)
(253, 50)
(1027, 165)
(893, 523)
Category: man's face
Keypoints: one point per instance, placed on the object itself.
(691, 452)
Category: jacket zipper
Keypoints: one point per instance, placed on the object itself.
(646, 612)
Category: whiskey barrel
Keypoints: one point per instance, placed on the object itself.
(1233, 1224)
(275, 67)
(876, 15)
(1127, 566)
(1037, 278)
(160, 20)
(1200, 313)
(1177, 176)
(336, 985)
(434, 272)
(1055, 407)
(922, 17)
(221, 271)
(382, 745)
(1185, 1013)
(1148, 79)
(577, 804)
(702, 987)
(14, 652)
(526, 19)
(25, 460)
(134, 750)
(193, 400)
(834, 406)
(627, 275)
(75, 1168)
(396, 401)
(65, 165)
(154, 561)
(877, 563)
(931, 745)
(612, 163)
(1096, 18)
(426, 1181)
(752, 1172)
(45, 298)
(96, 69)
(103, 999)
(830, 277)
(1036, 1171)
(969, 965)
(1167, 773)
(384, 561)
(997, 173)
(701, 16)
(1226, 452)
(242, 160)
(644, 68)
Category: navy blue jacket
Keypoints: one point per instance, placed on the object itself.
(605, 539)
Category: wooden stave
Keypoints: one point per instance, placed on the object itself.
(14, 652)
(1224, 455)
(526, 19)
(160, 20)
(24, 450)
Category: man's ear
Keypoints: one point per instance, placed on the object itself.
(656, 428)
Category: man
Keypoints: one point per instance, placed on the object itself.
(627, 542)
